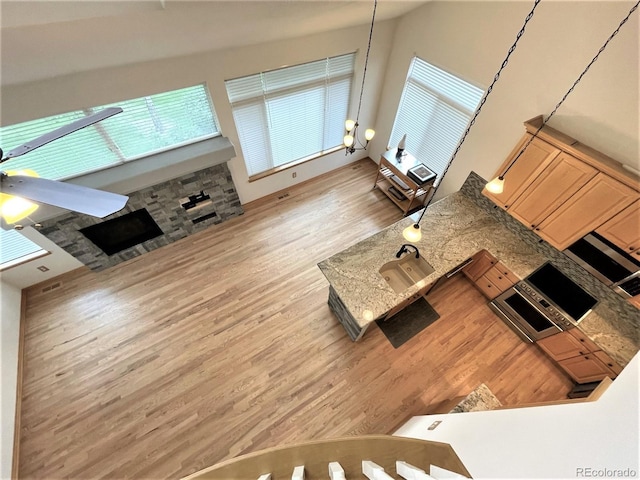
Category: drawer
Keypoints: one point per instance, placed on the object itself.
(501, 277)
(482, 262)
(608, 361)
(588, 344)
(487, 287)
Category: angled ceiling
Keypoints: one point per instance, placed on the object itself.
(44, 39)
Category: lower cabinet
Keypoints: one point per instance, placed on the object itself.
(579, 356)
(489, 275)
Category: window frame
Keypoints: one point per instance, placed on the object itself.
(261, 103)
(440, 99)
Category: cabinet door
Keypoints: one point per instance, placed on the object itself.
(502, 277)
(585, 368)
(482, 262)
(562, 346)
(555, 185)
(596, 202)
(624, 228)
(609, 362)
(533, 161)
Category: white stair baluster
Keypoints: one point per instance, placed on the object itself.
(265, 476)
(409, 472)
(373, 471)
(298, 473)
(336, 472)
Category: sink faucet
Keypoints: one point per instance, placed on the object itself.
(405, 249)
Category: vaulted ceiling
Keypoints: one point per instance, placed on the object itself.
(43, 39)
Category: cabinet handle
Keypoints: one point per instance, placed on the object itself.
(586, 358)
(581, 353)
(499, 277)
(632, 248)
(582, 339)
(610, 364)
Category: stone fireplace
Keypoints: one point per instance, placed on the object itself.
(179, 207)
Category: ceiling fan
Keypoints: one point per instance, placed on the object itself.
(21, 187)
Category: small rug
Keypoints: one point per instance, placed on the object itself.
(409, 322)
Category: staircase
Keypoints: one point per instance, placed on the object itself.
(376, 457)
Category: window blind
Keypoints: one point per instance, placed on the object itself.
(291, 113)
(147, 125)
(15, 247)
(434, 111)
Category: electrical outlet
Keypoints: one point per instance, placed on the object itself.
(42, 268)
(294, 174)
(434, 425)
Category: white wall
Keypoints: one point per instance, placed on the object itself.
(471, 39)
(545, 442)
(38, 99)
(9, 335)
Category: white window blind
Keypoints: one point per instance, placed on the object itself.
(147, 125)
(16, 248)
(434, 112)
(291, 113)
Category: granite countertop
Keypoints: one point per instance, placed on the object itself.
(454, 228)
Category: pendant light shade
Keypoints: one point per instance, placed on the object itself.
(412, 233)
(496, 185)
(349, 124)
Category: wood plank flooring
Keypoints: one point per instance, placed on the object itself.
(222, 344)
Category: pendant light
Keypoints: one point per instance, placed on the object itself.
(496, 186)
(351, 126)
(413, 233)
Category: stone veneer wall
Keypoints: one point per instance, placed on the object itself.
(624, 311)
(163, 201)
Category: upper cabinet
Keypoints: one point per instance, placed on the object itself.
(624, 229)
(585, 211)
(538, 155)
(563, 190)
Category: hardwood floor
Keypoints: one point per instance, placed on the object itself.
(222, 344)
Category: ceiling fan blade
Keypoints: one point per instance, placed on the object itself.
(62, 131)
(90, 201)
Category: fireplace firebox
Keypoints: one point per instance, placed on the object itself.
(125, 231)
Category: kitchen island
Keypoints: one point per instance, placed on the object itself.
(454, 228)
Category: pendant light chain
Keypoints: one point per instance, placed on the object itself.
(593, 60)
(482, 102)
(366, 58)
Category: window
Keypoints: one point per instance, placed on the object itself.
(293, 113)
(434, 112)
(16, 248)
(147, 125)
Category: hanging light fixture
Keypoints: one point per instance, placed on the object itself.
(351, 138)
(13, 208)
(496, 186)
(412, 233)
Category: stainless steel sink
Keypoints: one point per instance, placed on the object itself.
(406, 272)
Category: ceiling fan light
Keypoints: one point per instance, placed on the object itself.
(13, 209)
(349, 124)
(412, 233)
(496, 185)
(369, 133)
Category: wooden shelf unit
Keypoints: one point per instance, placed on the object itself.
(390, 167)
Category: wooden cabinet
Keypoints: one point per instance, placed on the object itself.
(554, 186)
(482, 262)
(496, 280)
(538, 155)
(585, 211)
(489, 275)
(564, 189)
(393, 181)
(579, 356)
(624, 229)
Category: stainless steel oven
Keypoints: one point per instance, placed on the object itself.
(607, 262)
(543, 304)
